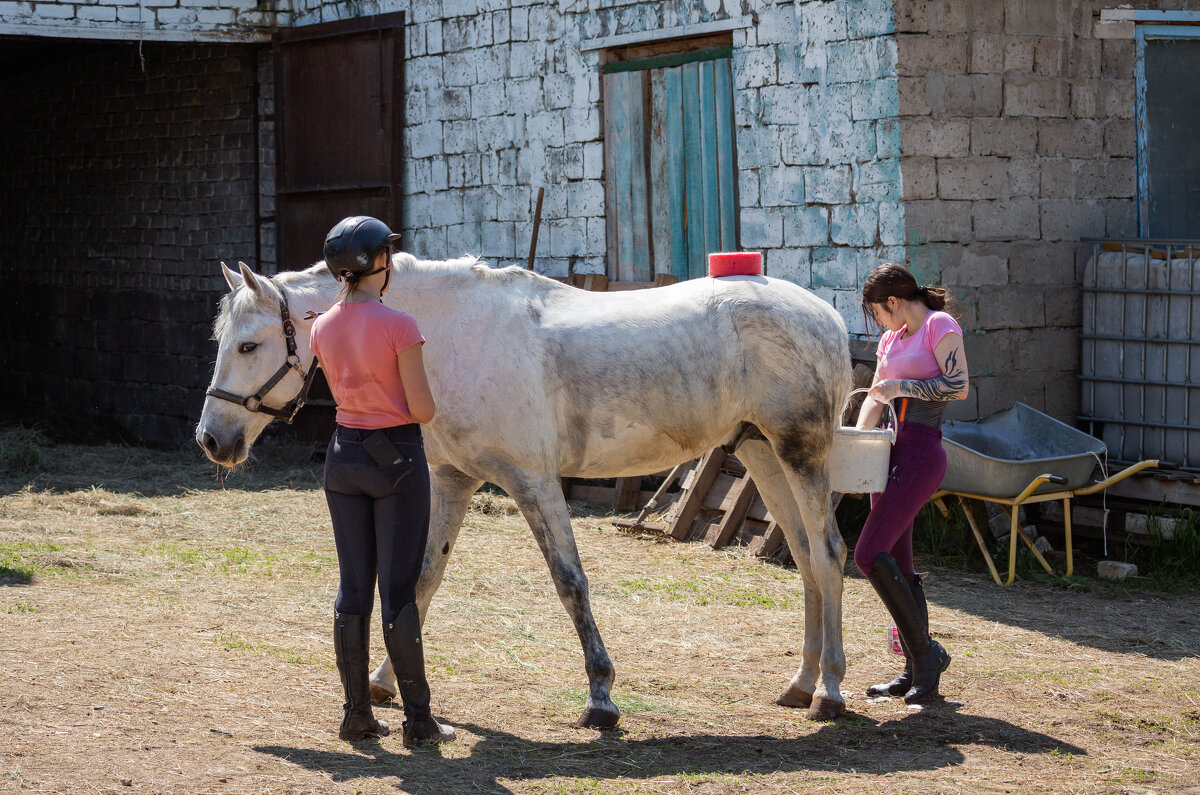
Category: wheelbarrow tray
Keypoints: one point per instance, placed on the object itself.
(1000, 454)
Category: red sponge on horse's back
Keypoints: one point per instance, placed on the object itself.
(734, 263)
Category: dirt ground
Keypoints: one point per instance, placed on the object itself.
(164, 631)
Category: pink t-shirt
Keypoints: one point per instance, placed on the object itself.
(914, 358)
(357, 345)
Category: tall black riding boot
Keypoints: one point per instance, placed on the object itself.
(926, 657)
(403, 640)
(351, 646)
(901, 684)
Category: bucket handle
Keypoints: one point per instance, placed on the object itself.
(865, 389)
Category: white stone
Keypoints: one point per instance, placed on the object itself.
(1115, 570)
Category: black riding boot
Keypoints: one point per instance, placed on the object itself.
(926, 657)
(351, 637)
(403, 640)
(901, 684)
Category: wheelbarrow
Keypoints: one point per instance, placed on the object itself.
(1016, 457)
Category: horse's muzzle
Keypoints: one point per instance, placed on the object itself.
(229, 455)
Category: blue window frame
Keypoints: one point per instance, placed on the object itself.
(1167, 63)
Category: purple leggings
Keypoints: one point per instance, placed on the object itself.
(918, 464)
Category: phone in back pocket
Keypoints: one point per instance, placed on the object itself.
(381, 449)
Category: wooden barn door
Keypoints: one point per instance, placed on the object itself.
(338, 126)
(669, 156)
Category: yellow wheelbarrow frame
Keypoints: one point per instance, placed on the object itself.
(1028, 497)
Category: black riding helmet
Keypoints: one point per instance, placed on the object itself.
(351, 245)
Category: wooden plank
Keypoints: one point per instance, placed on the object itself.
(622, 182)
(639, 209)
(710, 205)
(660, 191)
(676, 173)
(625, 493)
(770, 542)
(726, 143)
(702, 479)
(731, 522)
(720, 492)
(611, 230)
(693, 168)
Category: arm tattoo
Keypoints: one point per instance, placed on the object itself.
(947, 386)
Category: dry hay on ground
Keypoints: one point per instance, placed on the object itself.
(165, 633)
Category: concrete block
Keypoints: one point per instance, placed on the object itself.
(1027, 95)
(1116, 59)
(970, 95)
(1050, 56)
(891, 224)
(1002, 307)
(1003, 137)
(1058, 348)
(936, 137)
(1120, 217)
(1116, 99)
(806, 225)
(1064, 307)
(948, 16)
(791, 264)
(876, 181)
(1069, 138)
(425, 140)
(918, 55)
(755, 68)
(1143, 525)
(826, 185)
(1018, 54)
(54, 11)
(874, 18)
(887, 138)
(979, 265)
(778, 25)
(585, 198)
(912, 97)
(912, 16)
(748, 187)
(568, 237)
(1116, 570)
(109, 14)
(1035, 18)
(1012, 219)
(761, 228)
(861, 59)
(1024, 177)
(875, 99)
(854, 224)
(972, 178)
(835, 267)
(1071, 219)
(1120, 138)
(985, 53)
(918, 177)
(593, 160)
(937, 221)
(459, 69)
(462, 171)
(782, 186)
(460, 136)
(1041, 264)
(1085, 99)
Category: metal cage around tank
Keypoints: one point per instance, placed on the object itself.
(1140, 349)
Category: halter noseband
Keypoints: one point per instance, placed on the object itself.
(286, 412)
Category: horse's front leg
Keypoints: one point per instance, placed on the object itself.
(541, 501)
(450, 494)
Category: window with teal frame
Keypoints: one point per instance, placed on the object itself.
(669, 149)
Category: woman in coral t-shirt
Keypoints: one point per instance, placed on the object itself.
(921, 367)
(376, 477)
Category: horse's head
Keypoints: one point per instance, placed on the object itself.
(256, 374)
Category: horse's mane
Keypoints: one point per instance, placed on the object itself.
(418, 275)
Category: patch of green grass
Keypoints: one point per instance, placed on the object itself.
(20, 607)
(263, 649)
(227, 560)
(697, 593)
(628, 703)
(1169, 559)
(21, 561)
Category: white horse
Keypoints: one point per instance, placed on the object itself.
(536, 380)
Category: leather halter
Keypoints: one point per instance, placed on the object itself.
(286, 412)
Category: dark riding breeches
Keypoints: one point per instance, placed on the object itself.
(380, 518)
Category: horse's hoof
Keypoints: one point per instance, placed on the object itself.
(380, 694)
(599, 717)
(794, 697)
(825, 709)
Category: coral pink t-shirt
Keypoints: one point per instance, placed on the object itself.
(357, 345)
(914, 358)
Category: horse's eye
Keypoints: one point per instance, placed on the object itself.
(247, 347)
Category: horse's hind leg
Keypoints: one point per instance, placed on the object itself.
(450, 492)
(763, 466)
(541, 501)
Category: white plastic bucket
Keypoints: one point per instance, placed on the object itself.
(858, 462)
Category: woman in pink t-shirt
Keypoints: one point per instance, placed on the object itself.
(921, 367)
(376, 478)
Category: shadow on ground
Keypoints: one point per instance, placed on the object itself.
(923, 740)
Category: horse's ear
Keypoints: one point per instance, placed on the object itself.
(233, 279)
(250, 279)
